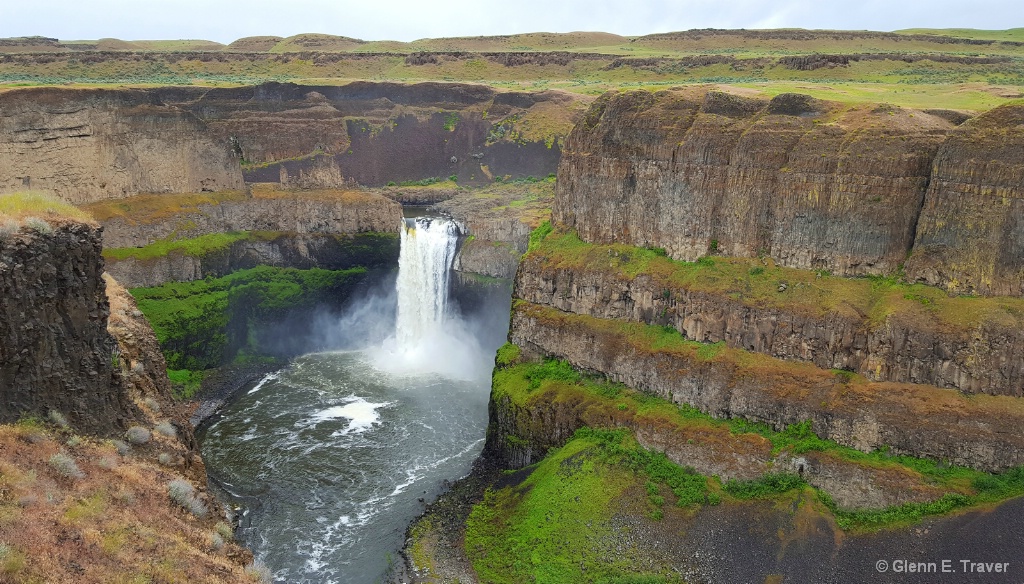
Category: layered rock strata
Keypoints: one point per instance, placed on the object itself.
(909, 342)
(913, 419)
(814, 185)
(89, 144)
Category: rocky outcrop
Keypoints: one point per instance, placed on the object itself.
(301, 212)
(142, 365)
(913, 419)
(55, 351)
(84, 145)
(376, 133)
(813, 184)
(909, 344)
(521, 434)
(970, 237)
(291, 250)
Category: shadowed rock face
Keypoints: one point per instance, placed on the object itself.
(815, 185)
(84, 145)
(55, 351)
(373, 133)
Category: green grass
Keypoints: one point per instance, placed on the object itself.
(203, 324)
(529, 384)
(749, 282)
(184, 383)
(195, 247)
(556, 526)
(1013, 34)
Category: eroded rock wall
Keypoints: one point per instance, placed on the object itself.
(316, 212)
(913, 419)
(816, 185)
(89, 144)
(287, 250)
(970, 238)
(918, 347)
(55, 350)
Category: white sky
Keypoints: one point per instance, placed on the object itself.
(406, 20)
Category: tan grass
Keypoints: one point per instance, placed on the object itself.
(117, 524)
(23, 205)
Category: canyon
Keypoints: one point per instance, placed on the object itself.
(719, 274)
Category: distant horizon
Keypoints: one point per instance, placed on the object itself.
(407, 21)
(523, 33)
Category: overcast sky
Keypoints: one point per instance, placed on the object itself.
(407, 20)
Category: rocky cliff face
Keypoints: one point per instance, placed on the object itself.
(912, 419)
(286, 250)
(815, 185)
(86, 145)
(376, 133)
(301, 212)
(55, 351)
(970, 238)
(915, 345)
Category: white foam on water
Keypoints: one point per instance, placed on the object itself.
(259, 386)
(362, 415)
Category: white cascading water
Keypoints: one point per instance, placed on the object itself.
(425, 260)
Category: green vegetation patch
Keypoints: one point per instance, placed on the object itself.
(557, 524)
(195, 247)
(756, 283)
(184, 383)
(600, 404)
(203, 324)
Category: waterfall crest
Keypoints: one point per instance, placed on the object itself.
(424, 263)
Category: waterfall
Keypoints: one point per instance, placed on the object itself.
(424, 262)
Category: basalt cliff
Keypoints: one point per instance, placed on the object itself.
(814, 306)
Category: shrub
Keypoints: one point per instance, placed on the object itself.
(12, 561)
(106, 462)
(57, 418)
(38, 225)
(184, 494)
(180, 490)
(196, 507)
(137, 435)
(66, 466)
(7, 229)
(216, 541)
(122, 447)
(150, 402)
(73, 441)
(166, 428)
(165, 459)
(224, 530)
(766, 486)
(259, 572)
